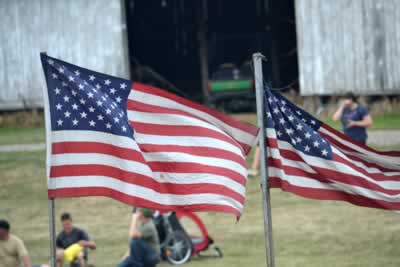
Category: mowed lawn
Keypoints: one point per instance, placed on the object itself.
(306, 232)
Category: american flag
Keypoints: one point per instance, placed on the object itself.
(311, 159)
(108, 136)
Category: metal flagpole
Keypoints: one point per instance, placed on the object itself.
(266, 199)
(52, 228)
(51, 201)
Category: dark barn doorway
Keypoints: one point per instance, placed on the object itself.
(166, 46)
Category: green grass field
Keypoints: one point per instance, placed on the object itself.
(306, 232)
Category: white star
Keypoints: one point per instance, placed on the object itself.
(293, 141)
(55, 76)
(82, 101)
(316, 144)
(108, 125)
(275, 111)
(91, 78)
(112, 91)
(278, 133)
(299, 127)
(91, 109)
(77, 73)
(73, 92)
(85, 82)
(50, 61)
(66, 98)
(118, 99)
(92, 123)
(98, 86)
(108, 111)
(270, 99)
(57, 91)
(74, 106)
(116, 119)
(94, 89)
(58, 106)
(307, 135)
(291, 118)
(307, 148)
(100, 117)
(71, 79)
(60, 70)
(121, 114)
(298, 139)
(64, 84)
(298, 112)
(123, 128)
(107, 82)
(269, 114)
(104, 98)
(324, 152)
(123, 85)
(283, 109)
(75, 122)
(59, 122)
(323, 141)
(304, 120)
(80, 86)
(83, 115)
(99, 103)
(313, 122)
(283, 102)
(282, 121)
(90, 95)
(289, 131)
(67, 114)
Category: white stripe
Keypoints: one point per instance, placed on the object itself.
(237, 134)
(351, 189)
(188, 158)
(365, 154)
(172, 119)
(188, 141)
(94, 136)
(199, 178)
(331, 165)
(142, 192)
(101, 159)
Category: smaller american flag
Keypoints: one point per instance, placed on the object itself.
(311, 159)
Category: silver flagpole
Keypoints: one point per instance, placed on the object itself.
(52, 228)
(266, 199)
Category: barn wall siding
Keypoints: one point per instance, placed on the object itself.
(87, 33)
(348, 45)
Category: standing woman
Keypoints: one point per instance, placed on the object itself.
(354, 117)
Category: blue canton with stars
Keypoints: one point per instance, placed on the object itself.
(295, 126)
(80, 99)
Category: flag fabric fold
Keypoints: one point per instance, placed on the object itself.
(141, 145)
(309, 158)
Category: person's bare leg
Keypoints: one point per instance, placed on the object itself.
(81, 258)
(59, 257)
(256, 162)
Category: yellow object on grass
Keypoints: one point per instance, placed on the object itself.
(71, 252)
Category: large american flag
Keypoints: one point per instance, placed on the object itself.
(141, 145)
(311, 159)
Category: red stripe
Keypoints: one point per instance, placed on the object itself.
(196, 151)
(325, 194)
(328, 176)
(183, 167)
(342, 136)
(181, 130)
(137, 201)
(144, 181)
(246, 127)
(96, 147)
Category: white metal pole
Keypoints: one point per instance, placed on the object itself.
(266, 199)
(52, 228)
